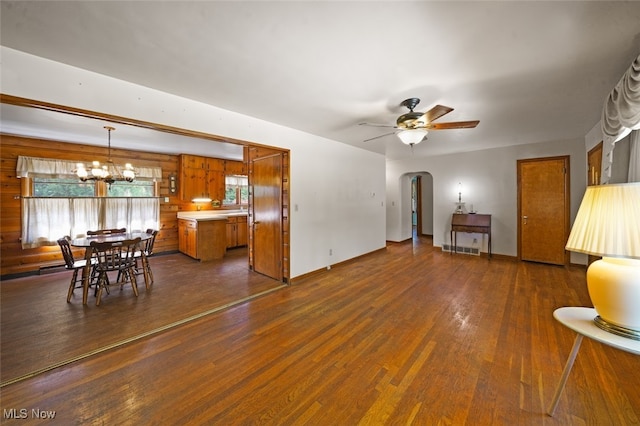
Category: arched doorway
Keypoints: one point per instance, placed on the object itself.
(421, 204)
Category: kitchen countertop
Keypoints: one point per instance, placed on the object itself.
(211, 214)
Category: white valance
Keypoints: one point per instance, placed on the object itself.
(621, 111)
(48, 167)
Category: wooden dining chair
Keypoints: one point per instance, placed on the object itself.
(142, 258)
(115, 257)
(107, 231)
(77, 266)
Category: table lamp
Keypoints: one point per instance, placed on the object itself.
(608, 225)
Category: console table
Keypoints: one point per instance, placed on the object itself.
(580, 320)
(476, 223)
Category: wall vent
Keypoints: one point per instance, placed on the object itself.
(472, 251)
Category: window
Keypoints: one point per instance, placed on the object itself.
(236, 190)
(72, 187)
(62, 187)
(55, 203)
(138, 188)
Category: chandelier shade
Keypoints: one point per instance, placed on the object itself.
(412, 136)
(107, 172)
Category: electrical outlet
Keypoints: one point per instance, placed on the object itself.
(330, 252)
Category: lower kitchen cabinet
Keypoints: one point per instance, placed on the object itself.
(237, 231)
(202, 239)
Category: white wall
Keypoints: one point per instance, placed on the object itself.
(339, 190)
(489, 182)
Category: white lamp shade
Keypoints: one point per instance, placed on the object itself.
(608, 222)
(412, 137)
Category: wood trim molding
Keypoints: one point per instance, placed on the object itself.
(31, 103)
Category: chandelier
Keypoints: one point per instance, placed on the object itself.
(108, 172)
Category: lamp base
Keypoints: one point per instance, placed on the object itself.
(616, 329)
(614, 288)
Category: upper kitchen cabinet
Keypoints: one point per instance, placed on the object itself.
(235, 168)
(201, 177)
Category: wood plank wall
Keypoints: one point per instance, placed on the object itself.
(15, 260)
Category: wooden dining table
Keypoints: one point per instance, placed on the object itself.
(110, 238)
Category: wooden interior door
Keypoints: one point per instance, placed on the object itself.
(543, 209)
(594, 165)
(267, 215)
(418, 205)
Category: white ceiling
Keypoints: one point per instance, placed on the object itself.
(529, 71)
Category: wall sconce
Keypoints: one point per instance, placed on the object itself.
(173, 183)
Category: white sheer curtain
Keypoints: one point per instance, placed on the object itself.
(84, 216)
(135, 214)
(44, 220)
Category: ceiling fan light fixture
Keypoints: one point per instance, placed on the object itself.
(412, 137)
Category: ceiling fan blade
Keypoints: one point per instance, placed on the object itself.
(378, 137)
(452, 125)
(377, 125)
(435, 113)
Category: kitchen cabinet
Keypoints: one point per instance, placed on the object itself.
(237, 231)
(201, 177)
(235, 168)
(243, 231)
(194, 184)
(187, 237)
(202, 239)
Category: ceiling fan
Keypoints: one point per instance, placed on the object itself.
(414, 125)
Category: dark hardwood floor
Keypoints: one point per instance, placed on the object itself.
(406, 335)
(40, 330)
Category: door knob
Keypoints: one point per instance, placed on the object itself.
(524, 218)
